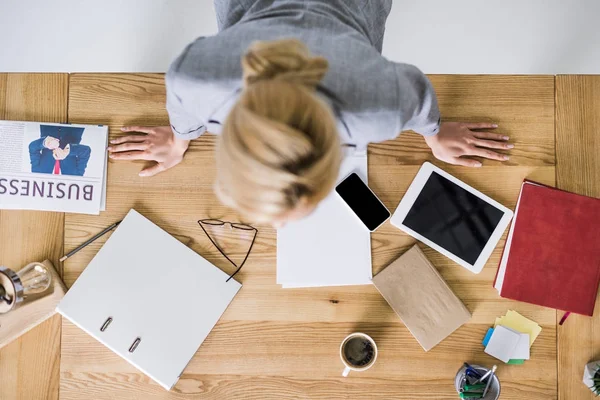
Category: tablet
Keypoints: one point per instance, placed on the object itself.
(451, 217)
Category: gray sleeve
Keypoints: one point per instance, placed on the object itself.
(185, 124)
(417, 101)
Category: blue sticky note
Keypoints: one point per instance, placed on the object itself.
(487, 337)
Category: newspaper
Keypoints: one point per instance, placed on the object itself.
(53, 167)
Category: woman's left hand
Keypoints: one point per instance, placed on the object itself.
(455, 140)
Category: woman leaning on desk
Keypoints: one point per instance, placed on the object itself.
(311, 79)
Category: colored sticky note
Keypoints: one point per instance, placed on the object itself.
(517, 322)
(521, 351)
(502, 344)
(516, 361)
(487, 337)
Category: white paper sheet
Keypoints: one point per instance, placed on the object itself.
(521, 351)
(330, 247)
(502, 344)
(103, 200)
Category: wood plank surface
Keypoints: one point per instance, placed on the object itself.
(29, 366)
(577, 170)
(275, 343)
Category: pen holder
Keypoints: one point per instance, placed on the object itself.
(460, 380)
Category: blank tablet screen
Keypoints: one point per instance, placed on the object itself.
(453, 218)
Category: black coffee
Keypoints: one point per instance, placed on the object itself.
(359, 352)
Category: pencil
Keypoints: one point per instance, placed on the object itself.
(483, 377)
(489, 382)
(90, 240)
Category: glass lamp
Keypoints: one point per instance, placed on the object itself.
(15, 287)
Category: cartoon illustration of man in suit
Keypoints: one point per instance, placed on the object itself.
(58, 151)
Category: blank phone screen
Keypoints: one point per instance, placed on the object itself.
(362, 201)
(453, 218)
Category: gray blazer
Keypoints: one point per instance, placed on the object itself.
(374, 99)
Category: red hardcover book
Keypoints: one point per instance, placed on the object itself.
(552, 253)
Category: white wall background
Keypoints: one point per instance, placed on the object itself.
(496, 36)
(99, 35)
(439, 36)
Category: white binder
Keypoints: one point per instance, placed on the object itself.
(149, 298)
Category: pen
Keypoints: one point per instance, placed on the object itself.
(487, 387)
(471, 369)
(484, 376)
(90, 240)
(474, 387)
(471, 395)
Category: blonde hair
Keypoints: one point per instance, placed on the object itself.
(279, 145)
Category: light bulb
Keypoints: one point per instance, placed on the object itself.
(35, 278)
(15, 287)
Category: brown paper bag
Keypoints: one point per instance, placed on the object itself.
(421, 298)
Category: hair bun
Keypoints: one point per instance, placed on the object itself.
(286, 60)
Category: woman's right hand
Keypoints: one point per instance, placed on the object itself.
(155, 144)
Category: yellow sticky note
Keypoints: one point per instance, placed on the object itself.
(516, 321)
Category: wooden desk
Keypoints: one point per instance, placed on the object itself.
(275, 343)
(29, 366)
(578, 170)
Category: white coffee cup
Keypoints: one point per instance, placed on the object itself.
(358, 352)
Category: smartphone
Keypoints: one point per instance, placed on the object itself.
(362, 201)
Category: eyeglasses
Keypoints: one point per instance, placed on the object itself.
(234, 225)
